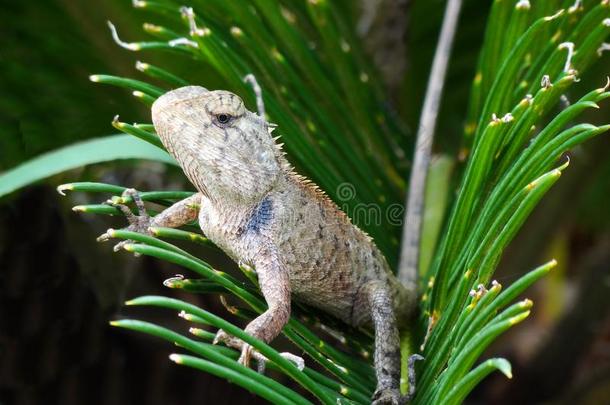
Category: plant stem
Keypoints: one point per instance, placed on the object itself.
(409, 255)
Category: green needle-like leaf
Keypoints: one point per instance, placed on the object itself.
(98, 150)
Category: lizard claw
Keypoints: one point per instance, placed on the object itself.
(246, 355)
(248, 352)
(298, 361)
(119, 245)
(105, 236)
(137, 223)
(388, 396)
(392, 396)
(222, 337)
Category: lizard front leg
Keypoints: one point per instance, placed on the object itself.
(387, 344)
(275, 286)
(180, 213)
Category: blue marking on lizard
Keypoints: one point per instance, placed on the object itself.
(261, 216)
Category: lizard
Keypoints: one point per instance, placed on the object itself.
(253, 205)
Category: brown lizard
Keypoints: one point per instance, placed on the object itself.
(252, 204)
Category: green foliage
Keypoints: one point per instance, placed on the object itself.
(328, 102)
(49, 48)
(98, 150)
(507, 171)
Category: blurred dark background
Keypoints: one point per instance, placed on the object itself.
(59, 288)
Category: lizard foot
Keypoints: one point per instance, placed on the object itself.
(388, 396)
(392, 396)
(248, 352)
(137, 223)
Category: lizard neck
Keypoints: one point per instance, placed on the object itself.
(223, 181)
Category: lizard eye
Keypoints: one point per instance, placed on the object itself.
(223, 118)
(223, 107)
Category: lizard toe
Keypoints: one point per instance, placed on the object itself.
(388, 396)
(246, 355)
(261, 364)
(120, 245)
(221, 337)
(298, 361)
(106, 236)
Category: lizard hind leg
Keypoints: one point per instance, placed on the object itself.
(387, 345)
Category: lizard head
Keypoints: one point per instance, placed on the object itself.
(225, 150)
